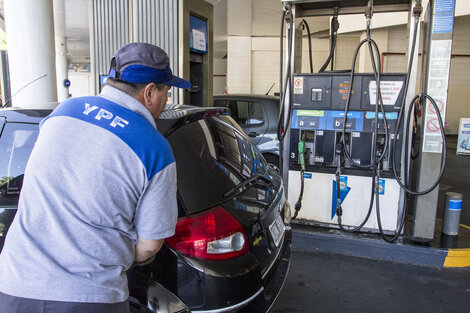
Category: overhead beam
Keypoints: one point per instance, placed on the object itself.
(353, 10)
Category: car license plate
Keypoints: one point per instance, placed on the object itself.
(277, 229)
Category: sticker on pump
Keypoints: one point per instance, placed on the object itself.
(389, 90)
(298, 85)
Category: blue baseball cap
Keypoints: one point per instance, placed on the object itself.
(144, 63)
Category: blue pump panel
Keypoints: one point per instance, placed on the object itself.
(327, 120)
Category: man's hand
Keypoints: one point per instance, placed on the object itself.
(146, 248)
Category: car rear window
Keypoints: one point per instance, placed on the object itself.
(243, 112)
(212, 156)
(16, 143)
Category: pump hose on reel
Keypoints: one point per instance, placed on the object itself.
(397, 177)
(376, 166)
(298, 204)
(281, 126)
(404, 184)
(373, 165)
(301, 145)
(334, 34)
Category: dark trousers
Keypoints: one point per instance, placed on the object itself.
(11, 304)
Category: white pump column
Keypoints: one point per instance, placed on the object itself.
(31, 53)
(61, 60)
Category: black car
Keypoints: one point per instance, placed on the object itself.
(258, 117)
(229, 201)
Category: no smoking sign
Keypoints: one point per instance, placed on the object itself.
(298, 85)
(439, 104)
(433, 125)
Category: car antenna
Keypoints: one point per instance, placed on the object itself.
(270, 89)
(6, 102)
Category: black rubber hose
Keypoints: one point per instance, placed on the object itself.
(309, 44)
(332, 48)
(281, 50)
(444, 144)
(364, 221)
(378, 102)
(393, 148)
(374, 164)
(298, 204)
(404, 185)
(281, 131)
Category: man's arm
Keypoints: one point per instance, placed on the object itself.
(156, 213)
(146, 248)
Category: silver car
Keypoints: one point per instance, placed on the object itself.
(258, 117)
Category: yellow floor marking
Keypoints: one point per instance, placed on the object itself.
(457, 258)
(465, 226)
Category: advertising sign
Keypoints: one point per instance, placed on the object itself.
(463, 141)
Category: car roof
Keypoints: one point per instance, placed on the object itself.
(235, 96)
(174, 115)
(21, 115)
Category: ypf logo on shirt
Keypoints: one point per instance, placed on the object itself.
(105, 115)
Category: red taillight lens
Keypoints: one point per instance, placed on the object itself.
(213, 235)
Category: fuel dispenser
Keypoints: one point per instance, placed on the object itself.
(317, 123)
(349, 143)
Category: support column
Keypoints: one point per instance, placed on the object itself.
(61, 60)
(31, 53)
(438, 57)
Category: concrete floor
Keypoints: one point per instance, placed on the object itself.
(322, 282)
(325, 282)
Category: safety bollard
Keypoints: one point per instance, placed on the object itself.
(451, 221)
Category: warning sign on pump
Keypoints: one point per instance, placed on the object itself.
(298, 85)
(390, 90)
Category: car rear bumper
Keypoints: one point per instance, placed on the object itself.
(273, 281)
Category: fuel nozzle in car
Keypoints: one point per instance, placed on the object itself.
(301, 148)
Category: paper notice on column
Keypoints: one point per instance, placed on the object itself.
(438, 83)
(199, 40)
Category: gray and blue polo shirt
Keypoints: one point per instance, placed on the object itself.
(99, 176)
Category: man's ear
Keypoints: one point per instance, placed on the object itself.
(148, 90)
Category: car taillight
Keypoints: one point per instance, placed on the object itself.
(213, 235)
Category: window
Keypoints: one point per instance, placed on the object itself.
(16, 144)
(256, 113)
(243, 112)
(211, 158)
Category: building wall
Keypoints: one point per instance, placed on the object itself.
(81, 84)
(458, 102)
(115, 23)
